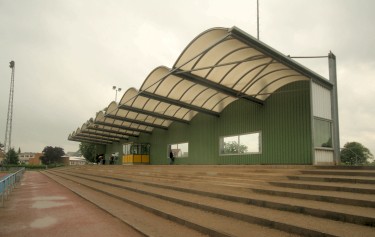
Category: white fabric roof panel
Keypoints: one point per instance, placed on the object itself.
(221, 57)
(161, 82)
(136, 99)
(100, 119)
(218, 67)
(85, 129)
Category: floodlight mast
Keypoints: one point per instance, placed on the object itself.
(116, 89)
(8, 129)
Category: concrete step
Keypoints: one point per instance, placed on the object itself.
(345, 198)
(208, 171)
(357, 215)
(341, 172)
(333, 178)
(141, 220)
(350, 199)
(205, 222)
(216, 189)
(340, 187)
(343, 167)
(192, 203)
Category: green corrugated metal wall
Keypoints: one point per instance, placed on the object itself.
(284, 121)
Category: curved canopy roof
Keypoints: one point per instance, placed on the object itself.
(218, 67)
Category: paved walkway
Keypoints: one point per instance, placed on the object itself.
(39, 206)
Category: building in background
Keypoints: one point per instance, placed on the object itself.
(35, 160)
(24, 157)
(73, 160)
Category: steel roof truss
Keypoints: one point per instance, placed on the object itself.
(223, 89)
(93, 132)
(179, 103)
(91, 139)
(88, 141)
(115, 117)
(121, 127)
(85, 135)
(153, 114)
(114, 132)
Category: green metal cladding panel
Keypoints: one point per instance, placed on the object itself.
(284, 122)
(285, 125)
(113, 148)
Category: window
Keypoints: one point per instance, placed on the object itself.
(135, 149)
(241, 144)
(322, 133)
(179, 150)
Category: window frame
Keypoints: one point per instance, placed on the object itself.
(169, 147)
(221, 144)
(315, 135)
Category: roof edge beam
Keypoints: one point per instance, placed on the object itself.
(111, 116)
(93, 132)
(88, 141)
(101, 138)
(210, 84)
(78, 137)
(253, 42)
(121, 127)
(111, 131)
(153, 114)
(178, 103)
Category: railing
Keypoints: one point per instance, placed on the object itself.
(8, 182)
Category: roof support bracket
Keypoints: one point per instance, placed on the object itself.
(218, 87)
(179, 103)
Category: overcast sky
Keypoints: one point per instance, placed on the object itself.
(69, 54)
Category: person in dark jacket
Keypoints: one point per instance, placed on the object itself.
(171, 157)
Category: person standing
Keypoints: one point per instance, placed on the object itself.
(171, 156)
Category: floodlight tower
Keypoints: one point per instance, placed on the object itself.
(8, 129)
(116, 89)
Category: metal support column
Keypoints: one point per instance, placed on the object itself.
(335, 107)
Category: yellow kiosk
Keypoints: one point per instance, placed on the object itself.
(136, 153)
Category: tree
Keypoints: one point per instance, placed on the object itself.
(233, 148)
(88, 151)
(52, 155)
(1, 147)
(11, 157)
(354, 153)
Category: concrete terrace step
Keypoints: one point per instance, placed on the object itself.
(138, 218)
(357, 215)
(193, 204)
(344, 167)
(346, 172)
(235, 171)
(202, 221)
(340, 187)
(354, 199)
(333, 178)
(246, 194)
(237, 180)
(364, 200)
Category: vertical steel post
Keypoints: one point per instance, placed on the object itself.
(335, 107)
(258, 19)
